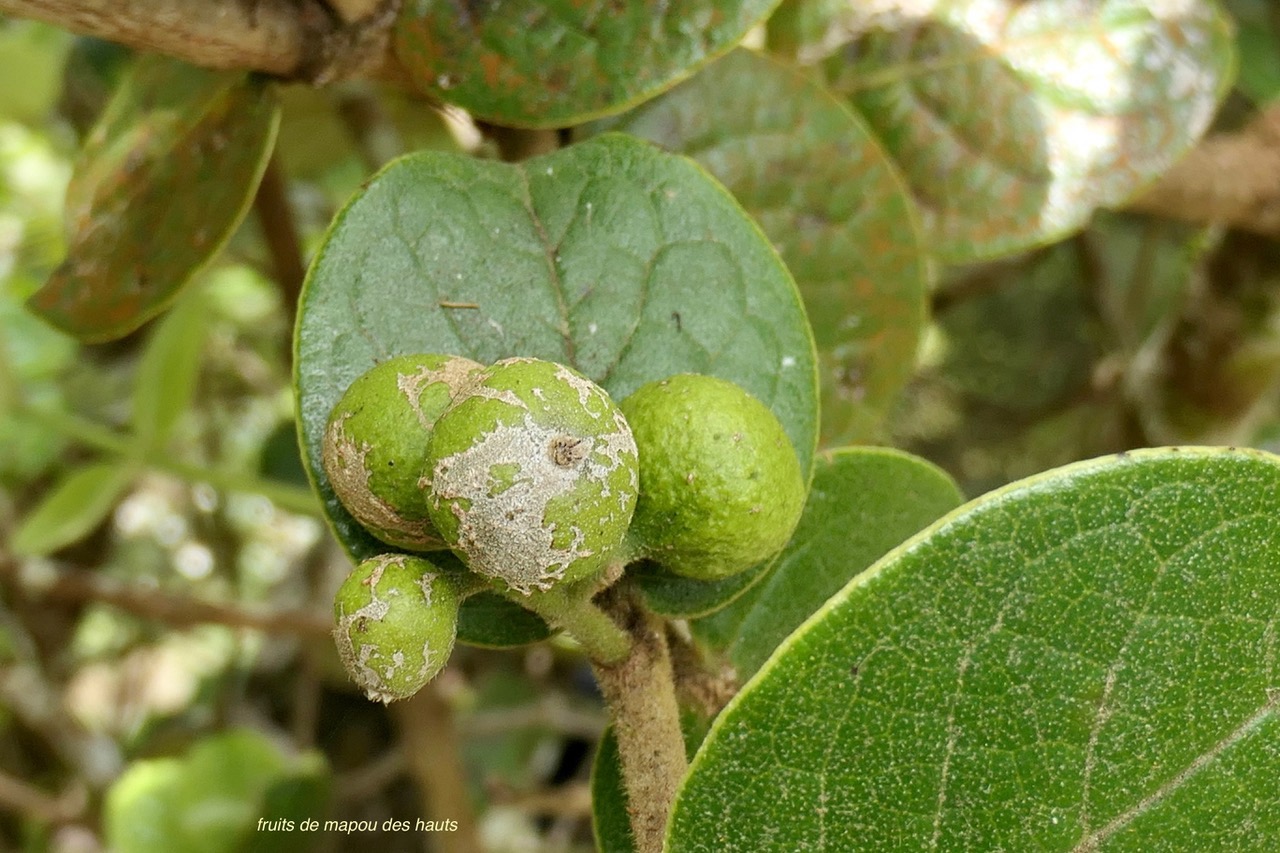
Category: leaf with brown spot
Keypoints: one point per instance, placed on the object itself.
(164, 179)
(563, 62)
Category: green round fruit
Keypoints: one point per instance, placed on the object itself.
(375, 444)
(397, 617)
(721, 489)
(532, 475)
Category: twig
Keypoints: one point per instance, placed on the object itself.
(550, 712)
(430, 740)
(280, 230)
(571, 800)
(77, 585)
(516, 144)
(1232, 178)
(292, 498)
(16, 795)
(640, 693)
(293, 39)
(376, 137)
(369, 779)
(697, 684)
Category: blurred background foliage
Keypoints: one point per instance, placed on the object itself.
(169, 655)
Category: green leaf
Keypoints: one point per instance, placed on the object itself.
(163, 180)
(75, 506)
(611, 256)
(554, 64)
(1080, 661)
(811, 173)
(1014, 119)
(684, 598)
(864, 501)
(165, 381)
(1258, 42)
(493, 622)
(302, 794)
(32, 53)
(609, 821)
(210, 800)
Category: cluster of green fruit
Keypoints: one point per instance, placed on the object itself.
(536, 479)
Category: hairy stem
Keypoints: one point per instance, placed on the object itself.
(640, 693)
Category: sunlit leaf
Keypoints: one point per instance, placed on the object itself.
(1014, 119)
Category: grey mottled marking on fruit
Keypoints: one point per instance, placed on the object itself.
(504, 534)
(585, 387)
(349, 477)
(366, 677)
(425, 583)
(454, 373)
(504, 395)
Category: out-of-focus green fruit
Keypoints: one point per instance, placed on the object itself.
(375, 444)
(532, 475)
(721, 489)
(397, 617)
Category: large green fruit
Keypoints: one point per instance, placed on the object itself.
(397, 617)
(375, 444)
(721, 489)
(532, 475)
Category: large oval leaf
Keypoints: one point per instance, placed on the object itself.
(611, 256)
(554, 64)
(163, 180)
(811, 173)
(1014, 119)
(864, 501)
(1081, 661)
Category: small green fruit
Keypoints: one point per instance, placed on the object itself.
(720, 485)
(376, 443)
(532, 475)
(397, 619)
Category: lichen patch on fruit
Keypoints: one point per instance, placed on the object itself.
(588, 391)
(455, 374)
(349, 474)
(504, 531)
(425, 583)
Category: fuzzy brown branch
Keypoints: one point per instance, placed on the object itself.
(1230, 178)
(640, 694)
(19, 796)
(292, 39)
(75, 585)
(280, 232)
(700, 683)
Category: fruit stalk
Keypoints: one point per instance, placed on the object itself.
(640, 693)
(572, 611)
